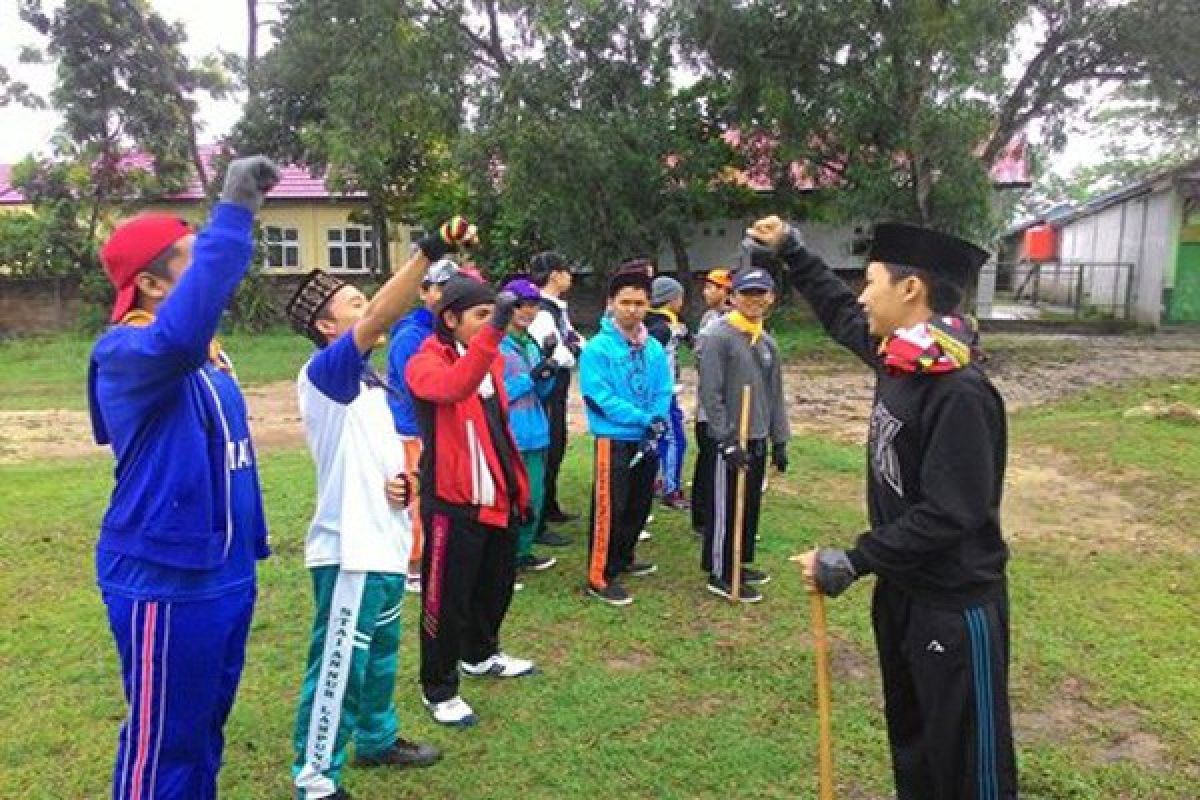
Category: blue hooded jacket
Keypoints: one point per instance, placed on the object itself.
(187, 494)
(526, 414)
(625, 386)
(403, 341)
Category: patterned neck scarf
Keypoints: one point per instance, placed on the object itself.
(940, 345)
(752, 329)
(140, 318)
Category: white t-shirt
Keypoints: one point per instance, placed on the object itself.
(543, 324)
(353, 441)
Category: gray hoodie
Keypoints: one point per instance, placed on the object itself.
(728, 362)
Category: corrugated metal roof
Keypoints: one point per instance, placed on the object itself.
(297, 182)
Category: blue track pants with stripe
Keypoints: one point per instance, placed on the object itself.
(945, 687)
(180, 665)
(671, 449)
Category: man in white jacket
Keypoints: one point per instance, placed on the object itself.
(551, 274)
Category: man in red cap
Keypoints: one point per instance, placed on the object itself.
(175, 560)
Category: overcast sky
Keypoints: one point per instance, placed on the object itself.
(212, 24)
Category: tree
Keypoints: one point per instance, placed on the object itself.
(909, 102)
(359, 89)
(581, 141)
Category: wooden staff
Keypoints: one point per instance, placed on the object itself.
(739, 508)
(824, 706)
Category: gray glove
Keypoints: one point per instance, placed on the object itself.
(791, 244)
(247, 181)
(834, 572)
(502, 311)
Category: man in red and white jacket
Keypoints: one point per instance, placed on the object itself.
(474, 494)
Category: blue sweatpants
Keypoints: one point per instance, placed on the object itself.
(180, 667)
(671, 448)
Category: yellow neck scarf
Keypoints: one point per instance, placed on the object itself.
(671, 315)
(752, 329)
(140, 318)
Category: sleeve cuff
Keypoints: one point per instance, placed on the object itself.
(231, 216)
(858, 561)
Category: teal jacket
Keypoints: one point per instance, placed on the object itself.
(625, 386)
(526, 414)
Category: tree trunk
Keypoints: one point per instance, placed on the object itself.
(379, 232)
(683, 264)
(251, 48)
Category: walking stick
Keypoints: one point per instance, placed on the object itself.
(821, 645)
(739, 508)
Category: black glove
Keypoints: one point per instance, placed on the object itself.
(779, 458)
(549, 345)
(247, 181)
(834, 572)
(544, 370)
(735, 455)
(658, 426)
(457, 234)
(572, 343)
(502, 311)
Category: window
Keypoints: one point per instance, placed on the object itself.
(282, 247)
(350, 248)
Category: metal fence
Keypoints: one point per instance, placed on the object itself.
(1082, 289)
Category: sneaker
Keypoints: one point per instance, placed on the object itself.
(645, 536)
(614, 594)
(675, 500)
(518, 586)
(500, 665)
(755, 577)
(551, 539)
(412, 583)
(453, 712)
(535, 563)
(560, 517)
(639, 569)
(649, 518)
(402, 753)
(719, 587)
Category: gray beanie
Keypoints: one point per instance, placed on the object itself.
(664, 290)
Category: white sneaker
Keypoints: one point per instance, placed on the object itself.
(649, 518)
(645, 536)
(500, 665)
(518, 586)
(453, 712)
(412, 583)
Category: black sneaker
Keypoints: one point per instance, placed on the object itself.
(614, 594)
(639, 569)
(722, 588)
(551, 539)
(755, 577)
(402, 753)
(560, 517)
(535, 563)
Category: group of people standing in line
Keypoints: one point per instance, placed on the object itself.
(440, 475)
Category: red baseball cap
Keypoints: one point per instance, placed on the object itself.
(133, 245)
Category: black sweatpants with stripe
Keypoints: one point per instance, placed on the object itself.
(702, 476)
(621, 499)
(467, 574)
(716, 556)
(945, 689)
(556, 414)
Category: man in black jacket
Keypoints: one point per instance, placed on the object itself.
(936, 459)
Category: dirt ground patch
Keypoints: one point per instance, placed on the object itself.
(1107, 735)
(833, 400)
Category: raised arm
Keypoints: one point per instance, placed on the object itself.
(398, 294)
(835, 305)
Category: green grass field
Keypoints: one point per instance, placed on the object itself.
(680, 695)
